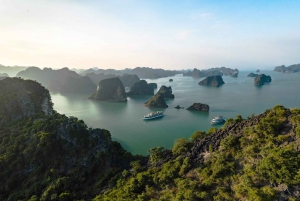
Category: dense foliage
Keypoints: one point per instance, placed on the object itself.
(261, 164)
(48, 156)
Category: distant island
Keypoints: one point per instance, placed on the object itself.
(11, 71)
(290, 69)
(110, 89)
(261, 79)
(214, 81)
(212, 72)
(141, 72)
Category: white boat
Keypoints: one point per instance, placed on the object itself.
(153, 115)
(218, 120)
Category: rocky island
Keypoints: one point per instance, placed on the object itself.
(166, 92)
(252, 75)
(110, 89)
(212, 72)
(261, 79)
(290, 69)
(156, 101)
(78, 85)
(141, 88)
(214, 81)
(199, 107)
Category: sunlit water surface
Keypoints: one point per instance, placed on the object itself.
(236, 96)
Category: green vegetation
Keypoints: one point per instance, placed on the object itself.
(54, 157)
(251, 166)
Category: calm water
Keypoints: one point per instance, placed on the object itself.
(236, 96)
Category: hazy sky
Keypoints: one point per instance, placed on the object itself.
(169, 34)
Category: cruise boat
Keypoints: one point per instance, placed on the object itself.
(218, 120)
(153, 115)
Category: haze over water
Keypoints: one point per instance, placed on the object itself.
(236, 96)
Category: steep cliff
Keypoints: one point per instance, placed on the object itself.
(48, 156)
(141, 88)
(110, 89)
(156, 101)
(22, 98)
(166, 91)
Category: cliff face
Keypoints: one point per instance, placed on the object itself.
(56, 156)
(156, 101)
(166, 92)
(23, 98)
(214, 81)
(77, 85)
(261, 79)
(141, 88)
(110, 89)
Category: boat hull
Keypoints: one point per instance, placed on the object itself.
(155, 117)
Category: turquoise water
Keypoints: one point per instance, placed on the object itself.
(236, 96)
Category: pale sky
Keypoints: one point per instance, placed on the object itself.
(168, 34)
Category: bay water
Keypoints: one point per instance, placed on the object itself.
(236, 96)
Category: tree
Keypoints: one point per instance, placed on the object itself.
(181, 145)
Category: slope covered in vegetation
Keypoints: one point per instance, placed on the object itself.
(47, 156)
(253, 159)
(50, 156)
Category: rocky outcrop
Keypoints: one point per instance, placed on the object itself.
(261, 79)
(127, 79)
(153, 85)
(199, 107)
(212, 72)
(110, 89)
(252, 75)
(78, 85)
(156, 101)
(166, 92)
(170, 80)
(290, 69)
(214, 81)
(141, 88)
(235, 74)
(30, 98)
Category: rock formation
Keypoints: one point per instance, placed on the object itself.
(290, 69)
(29, 98)
(261, 79)
(252, 75)
(110, 89)
(199, 107)
(212, 72)
(170, 80)
(154, 85)
(51, 79)
(214, 81)
(129, 80)
(235, 74)
(166, 92)
(156, 101)
(78, 85)
(141, 88)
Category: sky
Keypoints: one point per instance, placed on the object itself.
(168, 34)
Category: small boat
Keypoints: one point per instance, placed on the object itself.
(153, 115)
(218, 120)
